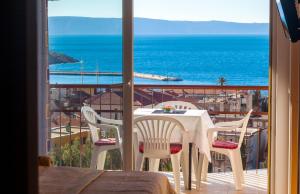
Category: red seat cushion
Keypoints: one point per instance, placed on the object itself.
(224, 144)
(174, 147)
(107, 141)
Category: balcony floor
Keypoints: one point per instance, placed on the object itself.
(222, 183)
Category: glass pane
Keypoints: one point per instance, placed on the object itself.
(216, 62)
(85, 61)
(85, 37)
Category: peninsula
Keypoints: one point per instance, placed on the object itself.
(57, 58)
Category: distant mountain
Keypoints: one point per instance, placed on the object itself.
(69, 25)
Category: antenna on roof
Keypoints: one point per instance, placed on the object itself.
(97, 69)
(81, 70)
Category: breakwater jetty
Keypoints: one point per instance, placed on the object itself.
(139, 75)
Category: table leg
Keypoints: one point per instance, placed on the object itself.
(147, 164)
(190, 167)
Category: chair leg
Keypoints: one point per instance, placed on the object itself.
(121, 152)
(240, 163)
(199, 170)
(142, 162)
(204, 169)
(101, 160)
(184, 158)
(138, 161)
(195, 167)
(235, 170)
(153, 164)
(176, 171)
(94, 158)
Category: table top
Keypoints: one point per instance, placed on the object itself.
(150, 111)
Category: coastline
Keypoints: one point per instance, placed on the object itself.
(59, 79)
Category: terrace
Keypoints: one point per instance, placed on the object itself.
(256, 182)
(224, 103)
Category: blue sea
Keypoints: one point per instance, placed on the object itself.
(198, 59)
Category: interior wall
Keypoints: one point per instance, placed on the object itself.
(284, 107)
(281, 117)
(294, 118)
(296, 189)
(19, 74)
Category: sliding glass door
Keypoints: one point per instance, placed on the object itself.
(85, 64)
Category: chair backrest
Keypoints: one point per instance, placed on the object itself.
(91, 118)
(243, 128)
(156, 132)
(179, 105)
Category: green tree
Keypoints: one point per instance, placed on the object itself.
(256, 100)
(68, 128)
(71, 154)
(113, 157)
(79, 154)
(222, 81)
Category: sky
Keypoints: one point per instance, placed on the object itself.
(246, 11)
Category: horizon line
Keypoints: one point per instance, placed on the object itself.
(140, 34)
(166, 19)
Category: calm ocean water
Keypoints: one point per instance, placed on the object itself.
(199, 59)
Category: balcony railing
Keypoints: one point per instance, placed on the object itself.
(69, 135)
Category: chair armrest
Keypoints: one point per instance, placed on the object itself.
(107, 126)
(216, 129)
(212, 133)
(116, 122)
(109, 121)
(230, 123)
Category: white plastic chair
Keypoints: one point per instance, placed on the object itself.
(229, 148)
(156, 132)
(101, 145)
(179, 105)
